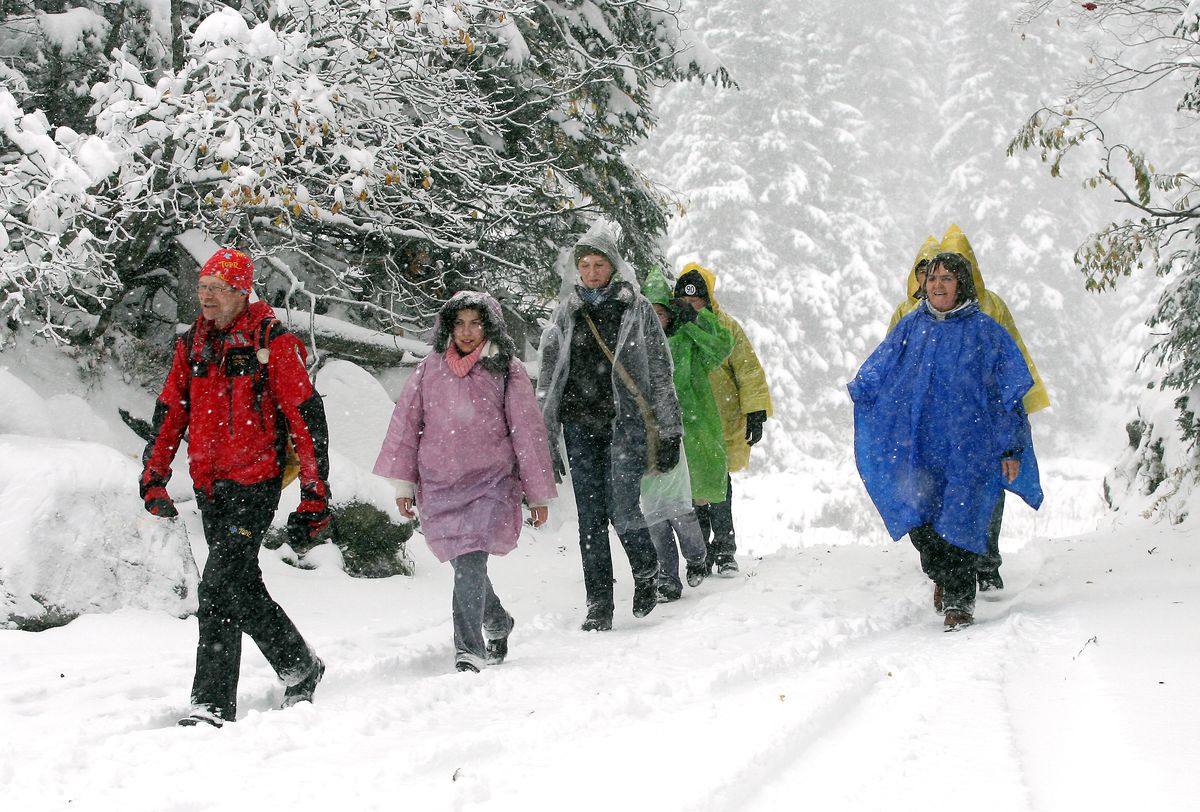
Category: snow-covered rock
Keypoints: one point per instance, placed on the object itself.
(1155, 475)
(74, 537)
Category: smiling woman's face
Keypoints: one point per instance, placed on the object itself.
(941, 287)
(468, 330)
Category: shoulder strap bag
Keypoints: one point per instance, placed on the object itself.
(643, 406)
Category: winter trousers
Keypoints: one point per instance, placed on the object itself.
(476, 609)
(990, 563)
(234, 599)
(691, 542)
(716, 524)
(604, 491)
(953, 568)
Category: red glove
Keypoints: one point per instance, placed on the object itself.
(158, 503)
(310, 518)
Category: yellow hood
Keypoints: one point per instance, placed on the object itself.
(710, 281)
(956, 241)
(929, 249)
(1037, 398)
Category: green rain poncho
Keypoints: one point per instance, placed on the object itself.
(697, 348)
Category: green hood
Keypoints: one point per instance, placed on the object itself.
(657, 289)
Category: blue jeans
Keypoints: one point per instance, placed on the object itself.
(475, 607)
(601, 493)
(691, 542)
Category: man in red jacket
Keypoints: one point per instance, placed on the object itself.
(238, 384)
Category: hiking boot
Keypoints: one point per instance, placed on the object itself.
(668, 593)
(990, 580)
(202, 715)
(599, 619)
(696, 573)
(303, 690)
(497, 649)
(937, 599)
(727, 567)
(645, 596)
(957, 619)
(469, 664)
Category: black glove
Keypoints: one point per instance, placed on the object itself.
(158, 503)
(309, 520)
(754, 426)
(684, 312)
(560, 467)
(668, 454)
(305, 529)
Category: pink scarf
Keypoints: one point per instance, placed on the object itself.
(461, 364)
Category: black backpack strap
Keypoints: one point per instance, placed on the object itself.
(267, 331)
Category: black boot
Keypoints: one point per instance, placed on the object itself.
(599, 618)
(645, 595)
(497, 648)
(303, 690)
(990, 580)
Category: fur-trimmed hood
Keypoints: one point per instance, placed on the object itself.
(503, 348)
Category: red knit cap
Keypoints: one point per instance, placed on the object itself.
(232, 267)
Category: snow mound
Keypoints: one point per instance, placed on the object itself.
(1155, 477)
(358, 410)
(74, 538)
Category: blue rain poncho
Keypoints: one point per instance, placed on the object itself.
(937, 406)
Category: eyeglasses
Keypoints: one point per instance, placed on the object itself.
(210, 287)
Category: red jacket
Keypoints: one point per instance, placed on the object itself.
(239, 412)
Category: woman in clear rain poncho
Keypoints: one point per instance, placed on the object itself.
(465, 443)
(605, 385)
(939, 430)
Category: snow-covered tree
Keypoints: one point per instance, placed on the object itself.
(381, 155)
(1140, 52)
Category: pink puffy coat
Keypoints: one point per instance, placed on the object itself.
(473, 446)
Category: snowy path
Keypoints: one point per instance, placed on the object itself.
(819, 678)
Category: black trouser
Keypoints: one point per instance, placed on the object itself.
(716, 523)
(951, 567)
(600, 495)
(234, 599)
(990, 562)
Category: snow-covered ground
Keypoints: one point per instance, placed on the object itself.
(819, 678)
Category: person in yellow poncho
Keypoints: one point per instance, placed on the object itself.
(1036, 399)
(740, 388)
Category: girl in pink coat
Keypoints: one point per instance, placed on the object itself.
(465, 444)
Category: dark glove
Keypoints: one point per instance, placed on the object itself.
(158, 503)
(310, 519)
(684, 312)
(560, 467)
(668, 454)
(754, 426)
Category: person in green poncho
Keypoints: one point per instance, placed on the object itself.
(698, 345)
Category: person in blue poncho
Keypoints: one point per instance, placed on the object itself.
(940, 430)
